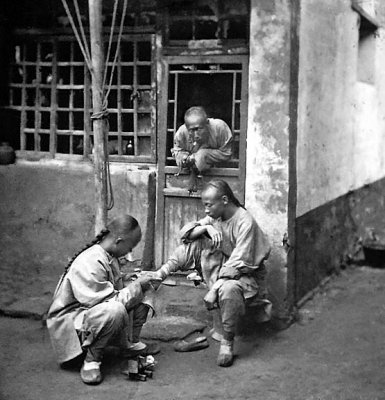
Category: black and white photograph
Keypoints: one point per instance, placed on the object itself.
(192, 199)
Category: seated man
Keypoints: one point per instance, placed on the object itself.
(91, 307)
(229, 249)
(201, 142)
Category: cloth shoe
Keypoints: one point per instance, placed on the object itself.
(90, 373)
(216, 335)
(196, 344)
(225, 356)
(138, 346)
(141, 349)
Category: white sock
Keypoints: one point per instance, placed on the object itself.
(88, 365)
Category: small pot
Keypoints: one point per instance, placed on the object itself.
(7, 154)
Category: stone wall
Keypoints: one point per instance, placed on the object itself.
(47, 214)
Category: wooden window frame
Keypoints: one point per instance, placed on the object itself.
(240, 171)
(236, 103)
(54, 109)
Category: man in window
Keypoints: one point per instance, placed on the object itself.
(201, 143)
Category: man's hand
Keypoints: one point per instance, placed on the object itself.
(211, 299)
(215, 236)
(148, 280)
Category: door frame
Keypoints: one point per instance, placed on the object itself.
(163, 81)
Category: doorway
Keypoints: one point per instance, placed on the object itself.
(219, 84)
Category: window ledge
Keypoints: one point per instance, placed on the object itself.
(370, 22)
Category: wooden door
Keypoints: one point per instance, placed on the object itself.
(219, 84)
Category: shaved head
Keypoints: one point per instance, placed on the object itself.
(196, 112)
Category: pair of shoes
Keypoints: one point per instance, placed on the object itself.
(90, 373)
(216, 335)
(225, 356)
(197, 344)
(141, 349)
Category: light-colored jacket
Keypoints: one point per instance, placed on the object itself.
(93, 277)
(217, 149)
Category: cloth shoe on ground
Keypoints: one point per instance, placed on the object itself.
(196, 344)
(142, 349)
(225, 356)
(90, 373)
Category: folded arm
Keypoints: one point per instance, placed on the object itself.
(90, 286)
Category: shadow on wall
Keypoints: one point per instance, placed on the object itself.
(328, 235)
(276, 282)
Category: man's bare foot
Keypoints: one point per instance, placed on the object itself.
(192, 183)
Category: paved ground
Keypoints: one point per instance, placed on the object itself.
(335, 351)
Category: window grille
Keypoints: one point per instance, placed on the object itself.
(50, 92)
(227, 88)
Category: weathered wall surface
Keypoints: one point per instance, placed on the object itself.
(341, 145)
(47, 214)
(329, 234)
(267, 136)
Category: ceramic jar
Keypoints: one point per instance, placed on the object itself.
(7, 154)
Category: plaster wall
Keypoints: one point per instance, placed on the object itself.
(47, 214)
(267, 134)
(341, 145)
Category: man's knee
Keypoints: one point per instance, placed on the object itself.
(187, 255)
(230, 290)
(109, 316)
(112, 312)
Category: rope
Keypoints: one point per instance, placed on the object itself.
(110, 193)
(110, 204)
(110, 42)
(85, 43)
(117, 49)
(72, 22)
(101, 114)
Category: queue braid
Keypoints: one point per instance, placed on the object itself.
(98, 238)
(223, 189)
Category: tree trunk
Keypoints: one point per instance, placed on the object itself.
(100, 154)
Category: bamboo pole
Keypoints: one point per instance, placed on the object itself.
(100, 155)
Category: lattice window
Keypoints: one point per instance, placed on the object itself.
(217, 87)
(49, 90)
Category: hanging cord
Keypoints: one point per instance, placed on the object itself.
(120, 34)
(106, 94)
(110, 193)
(110, 42)
(82, 45)
(85, 43)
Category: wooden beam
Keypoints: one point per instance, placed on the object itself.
(100, 154)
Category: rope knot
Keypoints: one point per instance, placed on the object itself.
(100, 115)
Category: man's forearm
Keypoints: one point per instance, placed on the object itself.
(198, 231)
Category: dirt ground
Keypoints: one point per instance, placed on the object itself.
(335, 351)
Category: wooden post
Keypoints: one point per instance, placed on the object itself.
(100, 155)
